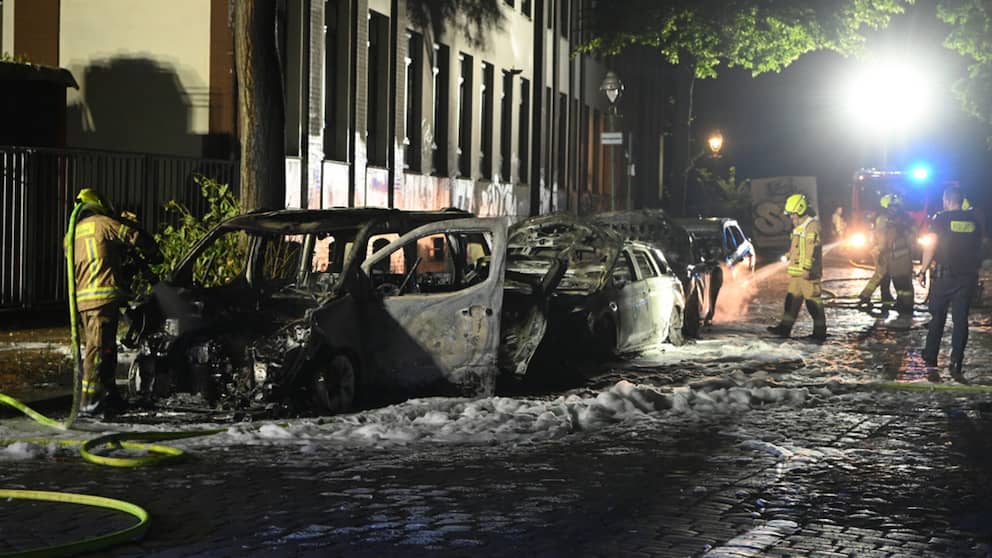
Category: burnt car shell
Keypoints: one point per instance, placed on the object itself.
(581, 253)
(697, 275)
(260, 339)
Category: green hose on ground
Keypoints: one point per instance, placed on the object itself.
(155, 454)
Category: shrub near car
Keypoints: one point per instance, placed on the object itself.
(614, 296)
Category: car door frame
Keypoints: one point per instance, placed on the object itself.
(450, 337)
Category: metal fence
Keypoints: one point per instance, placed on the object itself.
(37, 189)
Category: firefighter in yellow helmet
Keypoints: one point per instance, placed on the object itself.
(805, 268)
(893, 255)
(102, 242)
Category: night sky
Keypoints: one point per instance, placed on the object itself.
(796, 122)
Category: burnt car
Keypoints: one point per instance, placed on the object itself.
(611, 296)
(695, 273)
(722, 243)
(305, 311)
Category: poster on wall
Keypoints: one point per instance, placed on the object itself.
(377, 192)
(771, 226)
(335, 190)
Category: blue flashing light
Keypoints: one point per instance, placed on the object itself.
(919, 173)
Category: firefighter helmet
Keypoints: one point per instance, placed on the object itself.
(93, 198)
(796, 203)
(965, 204)
(890, 199)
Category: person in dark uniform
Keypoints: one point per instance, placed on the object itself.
(955, 277)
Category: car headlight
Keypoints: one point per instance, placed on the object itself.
(857, 240)
(926, 240)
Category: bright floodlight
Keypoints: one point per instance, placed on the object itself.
(920, 173)
(888, 98)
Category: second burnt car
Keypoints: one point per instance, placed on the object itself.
(303, 311)
(695, 272)
(613, 296)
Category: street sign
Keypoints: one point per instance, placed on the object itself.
(611, 138)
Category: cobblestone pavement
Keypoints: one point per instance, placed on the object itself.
(867, 471)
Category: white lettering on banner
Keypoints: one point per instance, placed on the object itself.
(611, 138)
(771, 225)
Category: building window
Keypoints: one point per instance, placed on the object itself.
(506, 127)
(509, 3)
(442, 78)
(465, 116)
(377, 134)
(597, 152)
(563, 19)
(413, 146)
(525, 7)
(523, 143)
(561, 140)
(336, 81)
(486, 157)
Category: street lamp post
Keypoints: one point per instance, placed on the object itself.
(612, 87)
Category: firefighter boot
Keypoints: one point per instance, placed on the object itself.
(792, 306)
(815, 307)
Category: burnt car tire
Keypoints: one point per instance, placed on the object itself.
(692, 317)
(675, 328)
(335, 383)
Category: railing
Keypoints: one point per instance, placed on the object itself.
(37, 189)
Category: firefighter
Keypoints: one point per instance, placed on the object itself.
(893, 257)
(955, 276)
(103, 241)
(805, 269)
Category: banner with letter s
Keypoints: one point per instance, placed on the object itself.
(771, 226)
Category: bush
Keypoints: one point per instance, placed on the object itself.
(175, 241)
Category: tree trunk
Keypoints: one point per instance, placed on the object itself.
(685, 79)
(261, 106)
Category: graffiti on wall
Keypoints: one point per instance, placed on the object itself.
(771, 225)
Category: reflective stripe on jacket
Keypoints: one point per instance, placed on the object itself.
(100, 245)
(804, 250)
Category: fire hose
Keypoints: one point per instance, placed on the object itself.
(155, 454)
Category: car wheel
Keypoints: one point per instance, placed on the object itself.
(675, 336)
(690, 323)
(334, 385)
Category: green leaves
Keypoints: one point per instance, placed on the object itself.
(971, 36)
(758, 35)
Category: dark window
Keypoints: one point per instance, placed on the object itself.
(525, 7)
(487, 121)
(506, 127)
(413, 151)
(465, 117)
(561, 141)
(442, 79)
(523, 144)
(378, 92)
(597, 153)
(644, 264)
(563, 17)
(442, 72)
(509, 2)
(336, 81)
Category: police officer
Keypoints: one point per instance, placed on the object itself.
(955, 276)
(805, 268)
(893, 257)
(102, 242)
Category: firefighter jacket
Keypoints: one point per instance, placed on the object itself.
(805, 252)
(101, 244)
(894, 244)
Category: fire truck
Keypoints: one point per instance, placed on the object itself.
(919, 192)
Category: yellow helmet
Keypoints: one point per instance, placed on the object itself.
(796, 203)
(93, 198)
(965, 204)
(890, 199)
